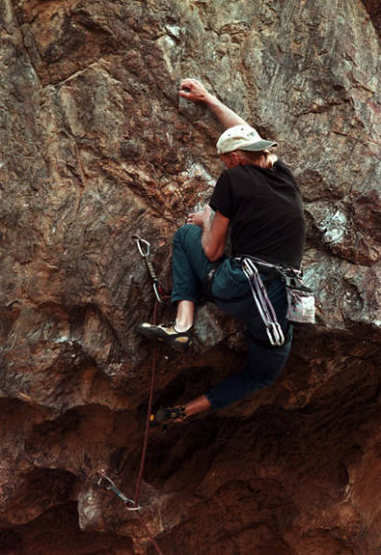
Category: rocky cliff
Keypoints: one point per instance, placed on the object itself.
(96, 147)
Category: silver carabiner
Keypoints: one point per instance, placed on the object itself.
(139, 243)
(247, 269)
(106, 483)
(157, 293)
(275, 334)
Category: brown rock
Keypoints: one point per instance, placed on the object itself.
(97, 147)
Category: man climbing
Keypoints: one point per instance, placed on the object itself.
(258, 200)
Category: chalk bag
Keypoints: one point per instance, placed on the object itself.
(301, 302)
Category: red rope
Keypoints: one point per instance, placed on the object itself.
(151, 538)
(149, 409)
(160, 298)
(146, 433)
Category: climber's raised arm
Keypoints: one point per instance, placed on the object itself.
(191, 89)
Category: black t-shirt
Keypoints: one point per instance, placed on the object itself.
(265, 211)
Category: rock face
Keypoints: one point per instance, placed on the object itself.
(96, 147)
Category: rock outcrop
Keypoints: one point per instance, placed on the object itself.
(96, 147)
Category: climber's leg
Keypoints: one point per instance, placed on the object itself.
(190, 267)
(264, 364)
(189, 264)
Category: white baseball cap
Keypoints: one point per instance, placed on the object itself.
(242, 137)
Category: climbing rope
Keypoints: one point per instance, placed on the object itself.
(149, 410)
(104, 481)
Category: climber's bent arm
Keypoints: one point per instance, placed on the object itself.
(214, 231)
(191, 89)
(214, 237)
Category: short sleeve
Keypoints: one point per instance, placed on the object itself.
(281, 167)
(222, 196)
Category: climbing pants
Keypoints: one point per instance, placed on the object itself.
(232, 294)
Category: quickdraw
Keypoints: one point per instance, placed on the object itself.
(263, 303)
(144, 248)
(106, 483)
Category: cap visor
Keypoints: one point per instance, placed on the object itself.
(259, 145)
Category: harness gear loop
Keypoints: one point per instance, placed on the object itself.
(106, 483)
(144, 248)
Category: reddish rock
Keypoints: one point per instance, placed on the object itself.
(96, 147)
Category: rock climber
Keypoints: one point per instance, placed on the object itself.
(257, 199)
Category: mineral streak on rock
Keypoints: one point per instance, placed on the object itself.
(95, 146)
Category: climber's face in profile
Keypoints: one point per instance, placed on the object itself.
(225, 159)
(229, 159)
(233, 159)
(263, 159)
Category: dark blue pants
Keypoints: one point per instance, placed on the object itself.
(232, 294)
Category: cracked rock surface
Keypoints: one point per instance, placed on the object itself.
(95, 146)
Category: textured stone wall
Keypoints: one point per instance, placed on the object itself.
(96, 146)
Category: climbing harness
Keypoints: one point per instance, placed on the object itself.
(263, 303)
(144, 248)
(300, 298)
(207, 283)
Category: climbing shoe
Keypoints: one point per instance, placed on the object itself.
(167, 415)
(166, 333)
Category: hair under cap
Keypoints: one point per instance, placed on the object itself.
(242, 137)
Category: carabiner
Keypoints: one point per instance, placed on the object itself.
(106, 483)
(144, 250)
(275, 334)
(248, 269)
(139, 243)
(156, 289)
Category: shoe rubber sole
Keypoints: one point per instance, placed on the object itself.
(178, 343)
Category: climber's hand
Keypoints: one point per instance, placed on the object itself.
(201, 218)
(191, 89)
